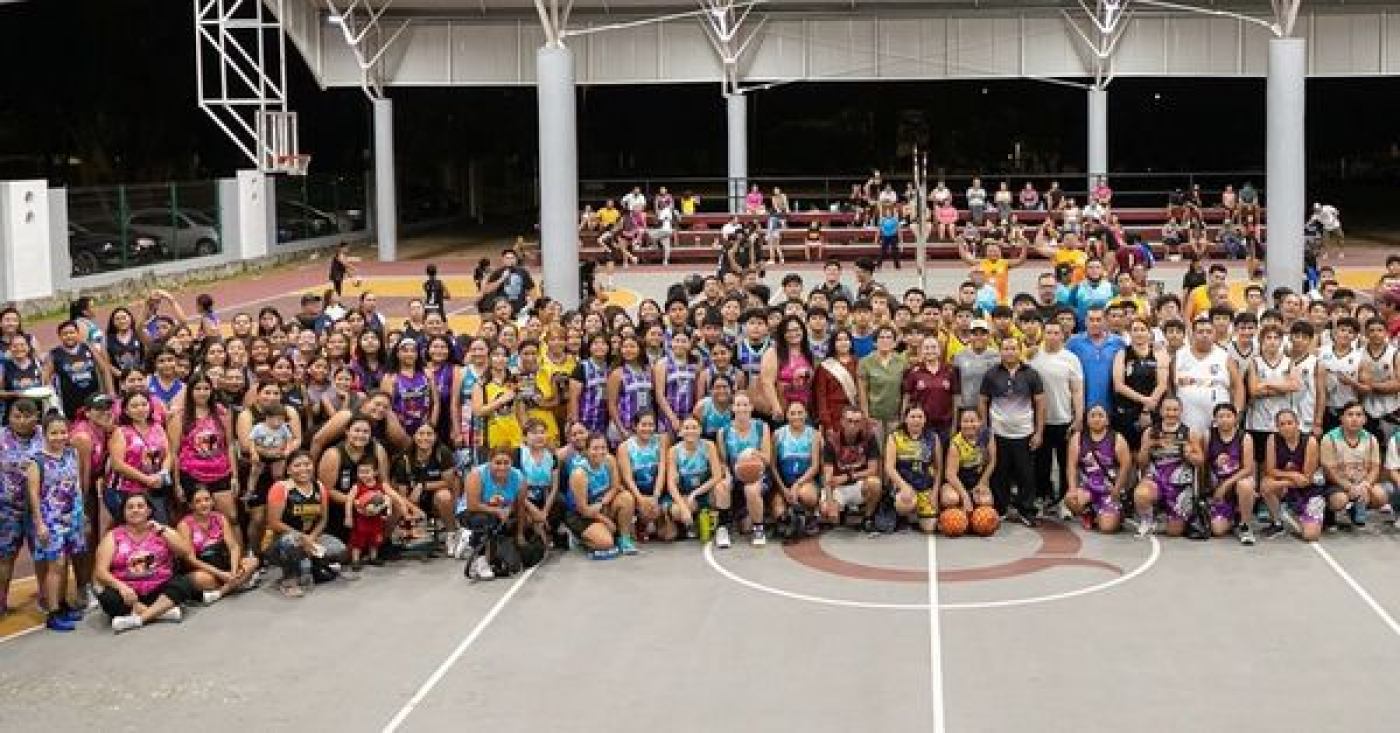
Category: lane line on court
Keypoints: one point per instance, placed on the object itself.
(1355, 586)
(935, 637)
(1156, 554)
(447, 664)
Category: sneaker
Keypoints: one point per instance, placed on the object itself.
(88, 599)
(627, 545)
(174, 615)
(1146, 526)
(1063, 512)
(1359, 514)
(607, 554)
(126, 623)
(211, 597)
(481, 569)
(1272, 530)
(867, 526)
(1027, 520)
(760, 537)
(59, 622)
(722, 538)
(1246, 535)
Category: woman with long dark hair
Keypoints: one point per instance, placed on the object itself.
(786, 370)
(201, 434)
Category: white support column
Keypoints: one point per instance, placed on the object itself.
(1286, 186)
(737, 109)
(25, 268)
(554, 74)
(386, 224)
(1098, 134)
(249, 214)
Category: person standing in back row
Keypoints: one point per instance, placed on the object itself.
(342, 264)
(1013, 399)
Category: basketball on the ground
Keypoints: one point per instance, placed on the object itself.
(749, 468)
(985, 521)
(952, 522)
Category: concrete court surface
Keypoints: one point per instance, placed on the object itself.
(1044, 630)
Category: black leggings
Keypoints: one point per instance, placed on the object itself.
(179, 589)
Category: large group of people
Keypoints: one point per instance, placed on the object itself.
(166, 458)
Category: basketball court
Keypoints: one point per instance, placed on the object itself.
(1046, 629)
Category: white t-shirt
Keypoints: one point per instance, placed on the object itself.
(1058, 373)
(1202, 382)
(634, 201)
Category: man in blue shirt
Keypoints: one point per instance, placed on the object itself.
(1096, 348)
(889, 237)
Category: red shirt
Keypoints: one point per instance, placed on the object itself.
(932, 391)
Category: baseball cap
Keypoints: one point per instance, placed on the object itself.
(980, 323)
(99, 402)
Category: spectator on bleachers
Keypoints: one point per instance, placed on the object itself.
(588, 221)
(635, 200)
(1249, 200)
(889, 236)
(664, 200)
(977, 201)
(753, 201)
(946, 215)
(873, 185)
(1102, 194)
(1072, 217)
(1002, 199)
(940, 195)
(814, 240)
(1229, 202)
(608, 216)
(887, 196)
(690, 203)
(1030, 198)
(1054, 197)
(1172, 238)
(1329, 220)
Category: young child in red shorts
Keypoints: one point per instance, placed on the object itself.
(367, 518)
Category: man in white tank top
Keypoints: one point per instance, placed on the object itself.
(1272, 383)
(1204, 376)
(1342, 363)
(1382, 394)
(1308, 401)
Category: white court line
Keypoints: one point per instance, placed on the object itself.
(457, 653)
(935, 637)
(1365, 596)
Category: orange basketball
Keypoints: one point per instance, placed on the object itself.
(952, 522)
(749, 468)
(985, 521)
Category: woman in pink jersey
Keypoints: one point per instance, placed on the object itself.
(217, 562)
(201, 434)
(88, 434)
(136, 568)
(139, 452)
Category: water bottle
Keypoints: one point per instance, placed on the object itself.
(704, 525)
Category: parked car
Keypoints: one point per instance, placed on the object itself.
(185, 232)
(92, 252)
(296, 220)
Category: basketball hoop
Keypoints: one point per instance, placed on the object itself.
(295, 164)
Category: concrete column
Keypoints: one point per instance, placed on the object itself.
(1098, 135)
(386, 220)
(737, 107)
(248, 212)
(554, 79)
(26, 270)
(1286, 185)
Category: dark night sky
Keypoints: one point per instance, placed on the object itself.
(113, 82)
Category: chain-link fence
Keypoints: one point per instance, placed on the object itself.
(116, 227)
(319, 206)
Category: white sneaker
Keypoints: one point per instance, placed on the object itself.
(89, 599)
(126, 623)
(481, 569)
(1063, 512)
(760, 537)
(174, 615)
(722, 538)
(463, 547)
(211, 597)
(1146, 527)
(1291, 522)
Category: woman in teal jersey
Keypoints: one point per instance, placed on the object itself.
(694, 469)
(540, 511)
(642, 468)
(492, 491)
(716, 411)
(596, 506)
(744, 436)
(797, 453)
